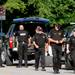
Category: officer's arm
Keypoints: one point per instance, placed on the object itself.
(69, 42)
(46, 47)
(62, 40)
(29, 41)
(36, 46)
(52, 40)
(34, 41)
(68, 51)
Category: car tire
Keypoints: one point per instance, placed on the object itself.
(3, 56)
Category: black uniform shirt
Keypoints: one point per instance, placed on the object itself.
(40, 39)
(22, 36)
(56, 35)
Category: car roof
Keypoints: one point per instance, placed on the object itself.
(31, 20)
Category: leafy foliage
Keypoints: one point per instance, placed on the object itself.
(58, 11)
(11, 5)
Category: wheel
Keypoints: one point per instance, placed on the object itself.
(3, 56)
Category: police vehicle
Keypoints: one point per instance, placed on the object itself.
(30, 24)
(2, 46)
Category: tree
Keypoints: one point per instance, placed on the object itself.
(11, 5)
(2, 2)
(58, 11)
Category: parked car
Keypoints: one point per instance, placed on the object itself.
(2, 42)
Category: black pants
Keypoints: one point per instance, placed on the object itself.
(40, 53)
(57, 53)
(73, 58)
(22, 51)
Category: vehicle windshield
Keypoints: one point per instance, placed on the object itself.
(30, 27)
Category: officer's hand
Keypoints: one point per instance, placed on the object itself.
(61, 41)
(67, 51)
(37, 46)
(57, 41)
(29, 45)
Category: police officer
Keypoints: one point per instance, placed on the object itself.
(71, 49)
(23, 45)
(39, 43)
(56, 39)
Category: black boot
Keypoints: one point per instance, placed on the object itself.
(19, 66)
(56, 72)
(43, 69)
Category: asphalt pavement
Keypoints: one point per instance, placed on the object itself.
(13, 70)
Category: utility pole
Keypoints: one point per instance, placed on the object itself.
(2, 16)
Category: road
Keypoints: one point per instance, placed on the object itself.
(12, 70)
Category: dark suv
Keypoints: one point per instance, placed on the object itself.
(30, 24)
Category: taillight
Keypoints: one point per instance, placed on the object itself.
(10, 42)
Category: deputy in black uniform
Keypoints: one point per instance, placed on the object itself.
(56, 39)
(71, 49)
(23, 45)
(39, 43)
